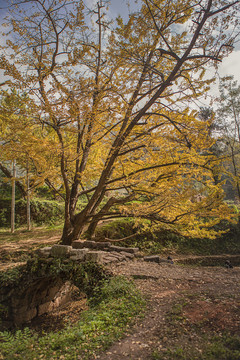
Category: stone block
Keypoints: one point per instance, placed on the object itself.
(60, 250)
(94, 245)
(78, 244)
(103, 245)
(111, 258)
(95, 256)
(152, 258)
(78, 254)
(90, 244)
(127, 254)
(121, 248)
(107, 261)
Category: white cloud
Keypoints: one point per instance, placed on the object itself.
(231, 66)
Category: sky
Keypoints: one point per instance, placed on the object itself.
(3, 4)
(229, 66)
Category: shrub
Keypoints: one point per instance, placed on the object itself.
(42, 212)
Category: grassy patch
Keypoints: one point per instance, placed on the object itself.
(113, 307)
(226, 347)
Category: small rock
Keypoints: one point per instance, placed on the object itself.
(78, 254)
(95, 256)
(127, 255)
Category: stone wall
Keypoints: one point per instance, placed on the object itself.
(45, 291)
(41, 296)
(100, 252)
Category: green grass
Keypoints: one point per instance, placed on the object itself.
(226, 347)
(113, 308)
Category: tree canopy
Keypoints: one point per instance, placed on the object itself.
(111, 105)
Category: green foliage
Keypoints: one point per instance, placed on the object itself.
(117, 229)
(44, 192)
(85, 275)
(11, 276)
(226, 347)
(6, 188)
(146, 241)
(117, 287)
(3, 217)
(96, 330)
(42, 212)
(166, 240)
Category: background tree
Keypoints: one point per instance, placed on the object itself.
(228, 126)
(21, 140)
(115, 103)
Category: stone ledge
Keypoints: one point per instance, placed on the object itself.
(80, 244)
(85, 250)
(121, 248)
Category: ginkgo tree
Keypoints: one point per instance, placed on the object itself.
(16, 124)
(115, 99)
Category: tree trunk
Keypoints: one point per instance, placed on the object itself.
(8, 174)
(13, 197)
(91, 228)
(73, 229)
(28, 200)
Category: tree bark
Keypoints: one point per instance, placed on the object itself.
(28, 200)
(13, 197)
(9, 175)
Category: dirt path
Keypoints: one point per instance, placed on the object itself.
(206, 298)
